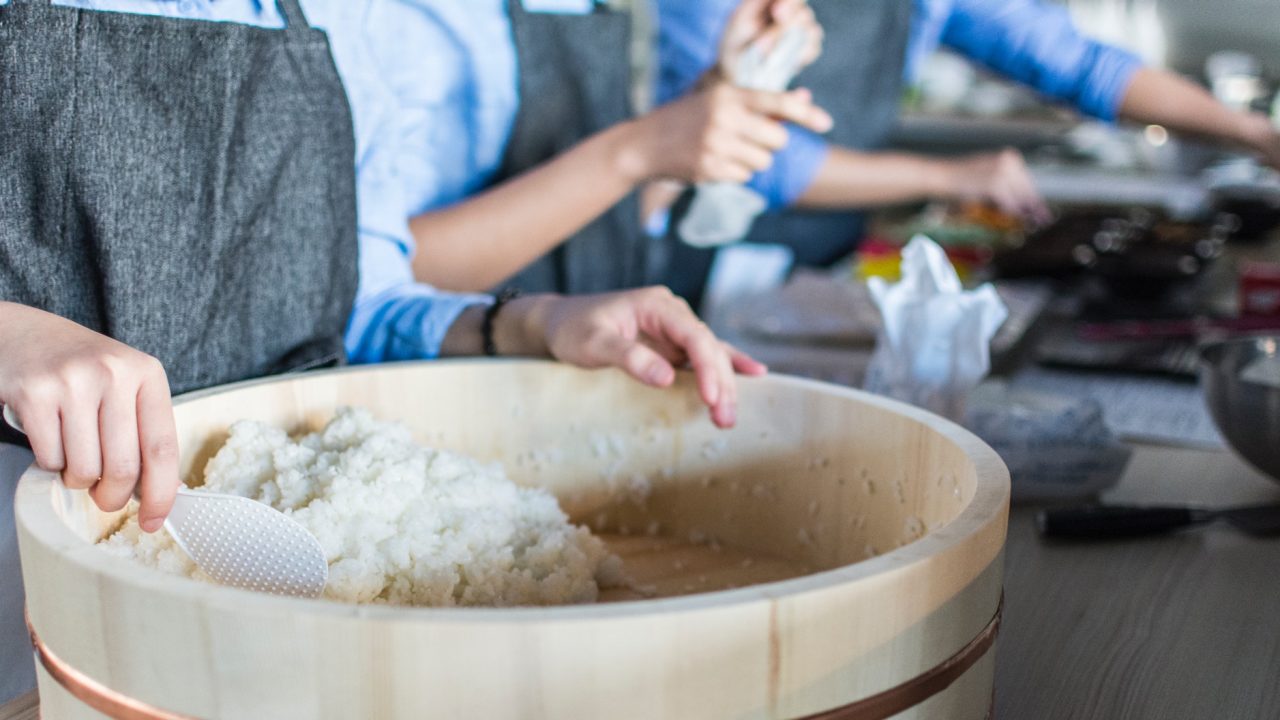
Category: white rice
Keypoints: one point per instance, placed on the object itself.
(400, 524)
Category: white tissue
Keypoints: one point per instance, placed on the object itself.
(935, 345)
(722, 213)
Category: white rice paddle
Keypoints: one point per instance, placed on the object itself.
(243, 543)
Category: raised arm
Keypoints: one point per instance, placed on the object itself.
(1038, 44)
(718, 133)
(709, 133)
(852, 179)
(1162, 98)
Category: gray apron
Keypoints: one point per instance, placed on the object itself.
(859, 80)
(185, 187)
(575, 81)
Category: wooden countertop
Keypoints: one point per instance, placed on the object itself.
(1185, 627)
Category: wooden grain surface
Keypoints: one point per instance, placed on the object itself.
(1180, 628)
(1177, 628)
(812, 477)
(663, 567)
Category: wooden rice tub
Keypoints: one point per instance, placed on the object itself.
(835, 556)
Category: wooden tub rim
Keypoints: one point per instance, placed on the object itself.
(34, 512)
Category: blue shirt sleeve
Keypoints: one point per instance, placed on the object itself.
(688, 42)
(395, 318)
(794, 169)
(1038, 44)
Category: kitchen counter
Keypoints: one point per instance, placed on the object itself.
(1184, 627)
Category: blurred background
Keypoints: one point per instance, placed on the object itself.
(1182, 34)
(1158, 244)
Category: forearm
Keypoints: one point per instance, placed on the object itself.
(519, 329)
(1156, 97)
(484, 240)
(851, 179)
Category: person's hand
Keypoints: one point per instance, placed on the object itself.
(94, 410)
(1001, 179)
(761, 24)
(648, 333)
(1263, 137)
(718, 133)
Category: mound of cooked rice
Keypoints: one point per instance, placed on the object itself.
(400, 523)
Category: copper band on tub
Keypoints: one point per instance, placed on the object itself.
(90, 691)
(877, 707)
(915, 691)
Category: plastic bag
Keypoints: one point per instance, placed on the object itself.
(723, 213)
(935, 345)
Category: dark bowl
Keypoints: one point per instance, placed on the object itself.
(1247, 413)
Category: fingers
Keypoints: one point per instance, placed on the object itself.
(784, 11)
(747, 21)
(796, 107)
(716, 381)
(748, 156)
(707, 356)
(43, 426)
(817, 36)
(1012, 189)
(737, 141)
(789, 14)
(648, 333)
(781, 16)
(158, 443)
(121, 459)
(639, 361)
(763, 132)
(1037, 209)
(723, 167)
(744, 364)
(94, 409)
(80, 443)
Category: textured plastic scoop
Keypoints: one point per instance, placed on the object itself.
(243, 543)
(246, 544)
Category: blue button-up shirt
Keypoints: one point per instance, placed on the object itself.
(1028, 40)
(394, 317)
(453, 70)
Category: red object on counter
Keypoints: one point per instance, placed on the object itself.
(1260, 289)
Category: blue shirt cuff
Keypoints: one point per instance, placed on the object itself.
(1113, 71)
(396, 318)
(1038, 44)
(407, 322)
(794, 169)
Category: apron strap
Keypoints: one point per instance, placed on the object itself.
(294, 19)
